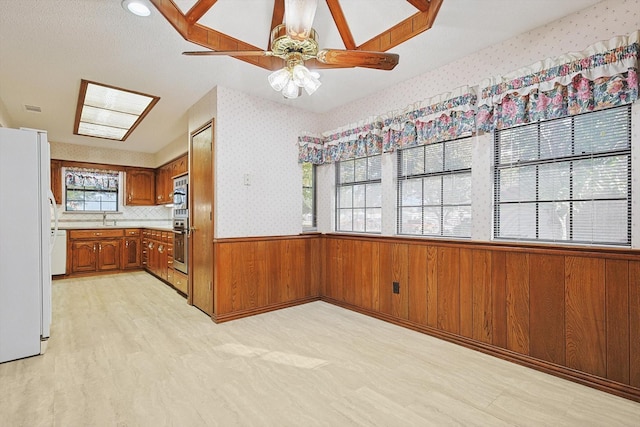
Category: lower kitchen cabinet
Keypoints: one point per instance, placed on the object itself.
(104, 250)
(180, 281)
(95, 250)
(132, 249)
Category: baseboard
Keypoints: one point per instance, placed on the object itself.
(220, 318)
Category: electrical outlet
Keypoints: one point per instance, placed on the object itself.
(396, 287)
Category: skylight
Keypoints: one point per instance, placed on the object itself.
(110, 112)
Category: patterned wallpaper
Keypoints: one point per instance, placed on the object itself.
(257, 139)
(83, 153)
(573, 33)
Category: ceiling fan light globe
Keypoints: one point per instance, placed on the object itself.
(291, 90)
(300, 75)
(311, 85)
(279, 79)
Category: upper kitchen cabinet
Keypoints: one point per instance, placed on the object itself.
(140, 187)
(164, 178)
(56, 180)
(180, 166)
(164, 185)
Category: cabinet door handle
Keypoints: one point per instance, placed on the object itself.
(94, 247)
(100, 246)
(127, 243)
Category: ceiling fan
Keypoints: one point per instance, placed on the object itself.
(296, 41)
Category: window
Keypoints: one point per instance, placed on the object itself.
(308, 196)
(434, 189)
(91, 190)
(359, 195)
(565, 180)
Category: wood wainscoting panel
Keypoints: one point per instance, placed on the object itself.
(417, 286)
(449, 289)
(634, 323)
(393, 262)
(617, 319)
(349, 271)
(334, 267)
(499, 298)
(481, 296)
(466, 292)
(517, 270)
(369, 272)
(585, 315)
(546, 308)
(432, 286)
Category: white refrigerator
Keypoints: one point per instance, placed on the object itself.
(25, 241)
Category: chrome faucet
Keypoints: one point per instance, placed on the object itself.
(104, 218)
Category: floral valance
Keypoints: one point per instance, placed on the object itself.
(604, 75)
(440, 118)
(310, 149)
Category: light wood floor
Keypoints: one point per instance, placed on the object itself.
(126, 350)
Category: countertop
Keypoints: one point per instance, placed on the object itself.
(115, 227)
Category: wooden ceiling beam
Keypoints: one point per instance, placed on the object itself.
(198, 10)
(403, 31)
(276, 19)
(421, 5)
(211, 39)
(341, 24)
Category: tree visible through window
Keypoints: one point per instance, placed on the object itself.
(308, 196)
(359, 195)
(434, 189)
(91, 190)
(565, 180)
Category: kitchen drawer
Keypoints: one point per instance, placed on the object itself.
(93, 234)
(180, 281)
(132, 232)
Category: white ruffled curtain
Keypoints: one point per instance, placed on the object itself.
(603, 75)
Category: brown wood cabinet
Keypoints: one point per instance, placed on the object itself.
(56, 180)
(164, 178)
(95, 250)
(164, 185)
(132, 250)
(140, 187)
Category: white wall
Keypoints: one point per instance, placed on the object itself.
(573, 33)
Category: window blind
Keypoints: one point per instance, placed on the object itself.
(565, 180)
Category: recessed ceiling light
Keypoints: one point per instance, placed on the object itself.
(137, 7)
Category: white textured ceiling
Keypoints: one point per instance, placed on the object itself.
(48, 46)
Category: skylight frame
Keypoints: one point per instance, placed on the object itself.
(111, 95)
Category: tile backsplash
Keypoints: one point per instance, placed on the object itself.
(129, 216)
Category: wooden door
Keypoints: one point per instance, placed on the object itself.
(109, 255)
(201, 193)
(83, 256)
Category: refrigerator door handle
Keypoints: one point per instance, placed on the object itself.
(52, 200)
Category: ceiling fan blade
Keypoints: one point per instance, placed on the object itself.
(228, 53)
(359, 58)
(298, 18)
